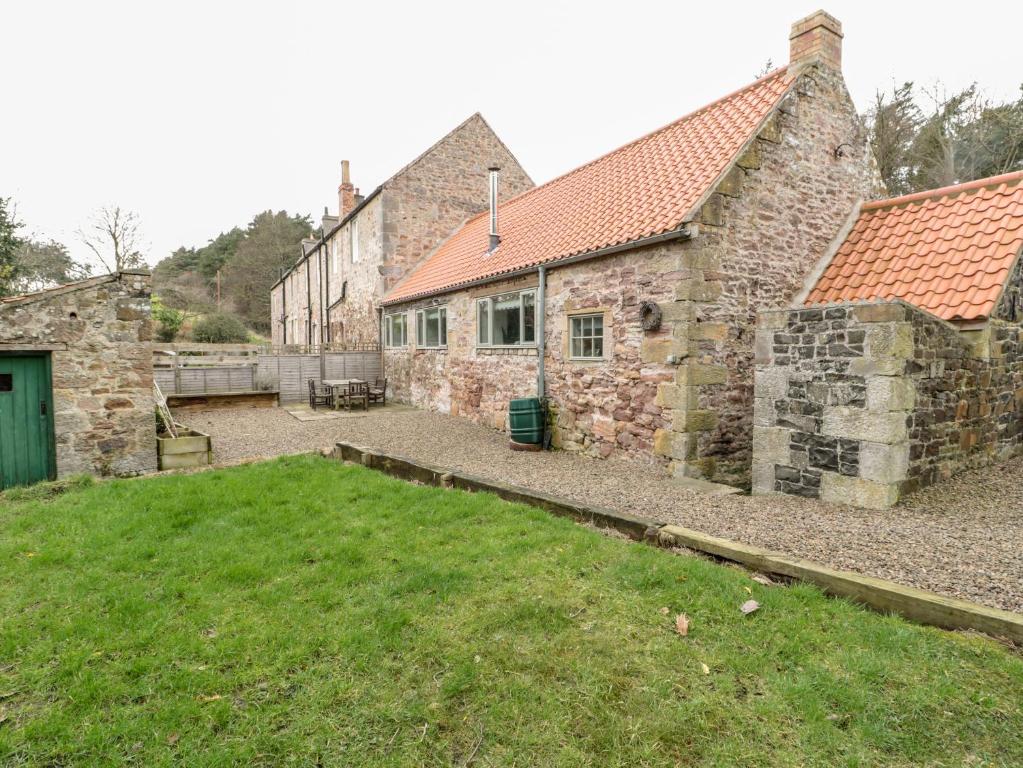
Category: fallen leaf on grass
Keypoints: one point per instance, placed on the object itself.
(664, 611)
(749, 606)
(214, 697)
(172, 739)
(705, 668)
(682, 624)
(748, 590)
(760, 578)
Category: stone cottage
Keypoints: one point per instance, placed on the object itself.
(636, 279)
(76, 380)
(332, 293)
(902, 361)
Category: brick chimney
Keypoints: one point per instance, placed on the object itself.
(345, 192)
(816, 39)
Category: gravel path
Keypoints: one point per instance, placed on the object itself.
(963, 538)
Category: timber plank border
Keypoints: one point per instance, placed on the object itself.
(878, 594)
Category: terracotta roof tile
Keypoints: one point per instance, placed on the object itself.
(646, 188)
(948, 251)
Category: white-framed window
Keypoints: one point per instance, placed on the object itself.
(333, 256)
(395, 330)
(506, 320)
(353, 231)
(432, 327)
(586, 337)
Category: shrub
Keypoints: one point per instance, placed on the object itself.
(168, 320)
(220, 328)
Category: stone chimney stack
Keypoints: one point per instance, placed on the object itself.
(345, 192)
(816, 39)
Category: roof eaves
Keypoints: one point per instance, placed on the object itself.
(683, 232)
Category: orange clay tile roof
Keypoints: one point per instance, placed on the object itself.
(948, 251)
(646, 188)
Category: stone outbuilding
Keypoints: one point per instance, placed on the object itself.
(626, 291)
(331, 295)
(901, 362)
(76, 380)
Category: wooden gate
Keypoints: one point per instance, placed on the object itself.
(26, 420)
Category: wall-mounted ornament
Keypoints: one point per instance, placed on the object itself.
(649, 316)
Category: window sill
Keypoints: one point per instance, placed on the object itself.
(588, 360)
(524, 350)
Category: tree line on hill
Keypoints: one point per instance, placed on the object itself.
(922, 139)
(232, 274)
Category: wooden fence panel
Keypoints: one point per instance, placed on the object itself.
(287, 373)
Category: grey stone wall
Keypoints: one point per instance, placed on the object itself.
(863, 403)
(969, 398)
(772, 218)
(100, 336)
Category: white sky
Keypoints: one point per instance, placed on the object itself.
(197, 115)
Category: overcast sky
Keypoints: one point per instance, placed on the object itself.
(199, 115)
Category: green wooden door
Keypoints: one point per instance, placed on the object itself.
(26, 420)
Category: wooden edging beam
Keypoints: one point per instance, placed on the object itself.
(879, 594)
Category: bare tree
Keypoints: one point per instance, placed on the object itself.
(114, 236)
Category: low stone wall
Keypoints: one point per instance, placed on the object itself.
(969, 398)
(99, 335)
(862, 403)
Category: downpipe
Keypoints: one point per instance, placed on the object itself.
(541, 351)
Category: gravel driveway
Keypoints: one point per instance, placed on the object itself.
(963, 538)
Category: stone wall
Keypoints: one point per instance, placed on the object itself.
(969, 398)
(760, 234)
(99, 334)
(863, 403)
(353, 319)
(434, 195)
(681, 395)
(399, 224)
(601, 406)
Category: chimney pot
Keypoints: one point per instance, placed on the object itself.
(816, 39)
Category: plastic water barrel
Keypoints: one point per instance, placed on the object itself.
(526, 420)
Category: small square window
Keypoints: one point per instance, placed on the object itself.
(6, 382)
(586, 337)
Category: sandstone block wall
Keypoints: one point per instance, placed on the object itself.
(863, 403)
(99, 334)
(760, 234)
(434, 195)
(681, 395)
(403, 221)
(600, 406)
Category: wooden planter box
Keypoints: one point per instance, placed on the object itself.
(189, 449)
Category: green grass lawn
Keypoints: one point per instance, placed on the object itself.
(308, 613)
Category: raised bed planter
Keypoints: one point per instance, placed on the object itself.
(189, 449)
(202, 400)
